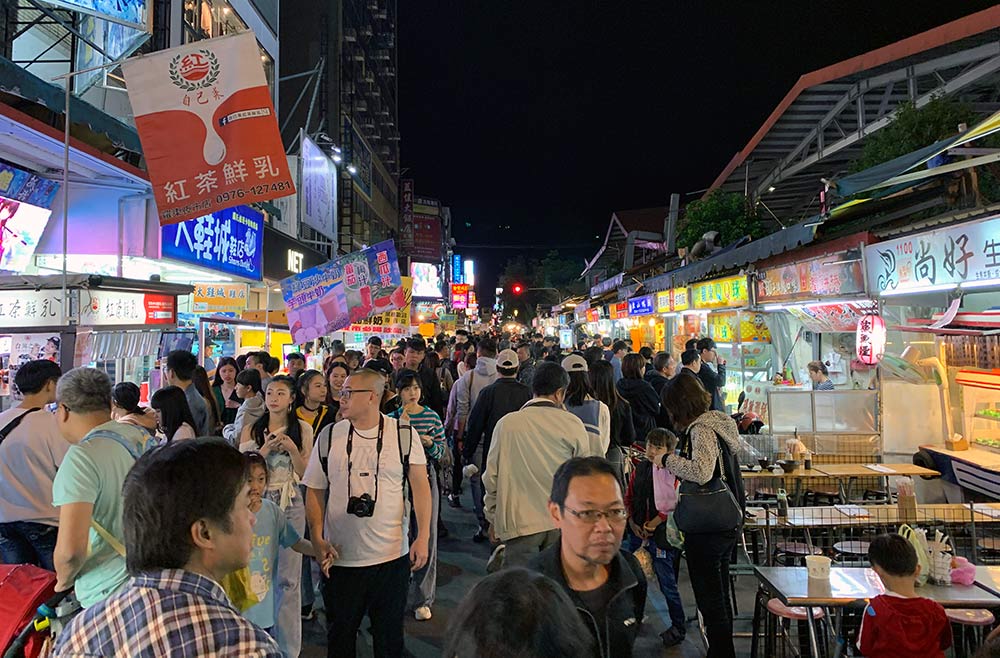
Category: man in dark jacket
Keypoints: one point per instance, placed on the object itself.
(713, 380)
(430, 385)
(663, 369)
(495, 401)
(604, 582)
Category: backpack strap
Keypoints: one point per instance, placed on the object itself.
(117, 438)
(324, 452)
(14, 423)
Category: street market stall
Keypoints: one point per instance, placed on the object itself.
(112, 324)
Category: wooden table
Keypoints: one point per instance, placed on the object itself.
(851, 472)
(830, 516)
(851, 586)
(797, 476)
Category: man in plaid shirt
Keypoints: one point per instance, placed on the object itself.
(187, 525)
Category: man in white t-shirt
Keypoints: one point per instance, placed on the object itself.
(363, 521)
(30, 453)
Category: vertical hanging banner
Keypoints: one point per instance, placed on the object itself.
(342, 292)
(207, 126)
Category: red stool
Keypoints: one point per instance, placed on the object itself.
(784, 615)
(968, 628)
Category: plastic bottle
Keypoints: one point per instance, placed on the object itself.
(782, 504)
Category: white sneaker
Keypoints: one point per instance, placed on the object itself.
(423, 613)
(495, 563)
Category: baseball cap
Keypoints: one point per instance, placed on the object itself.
(507, 359)
(574, 363)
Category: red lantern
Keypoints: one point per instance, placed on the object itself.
(870, 339)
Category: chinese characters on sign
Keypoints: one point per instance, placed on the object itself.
(229, 241)
(457, 274)
(835, 275)
(29, 308)
(220, 297)
(25, 187)
(619, 310)
(111, 307)
(640, 305)
(672, 300)
(460, 295)
(593, 314)
(427, 241)
(730, 292)
(207, 126)
(870, 339)
(406, 215)
(946, 257)
(390, 323)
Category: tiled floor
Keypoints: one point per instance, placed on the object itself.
(462, 563)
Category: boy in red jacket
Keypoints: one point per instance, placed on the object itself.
(899, 623)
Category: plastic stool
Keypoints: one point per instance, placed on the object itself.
(970, 623)
(795, 549)
(822, 497)
(852, 551)
(784, 614)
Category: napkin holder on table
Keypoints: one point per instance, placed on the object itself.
(906, 505)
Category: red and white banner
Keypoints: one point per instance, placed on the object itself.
(208, 130)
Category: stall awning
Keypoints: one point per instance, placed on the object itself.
(91, 282)
(772, 245)
(20, 82)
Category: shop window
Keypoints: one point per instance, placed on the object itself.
(207, 19)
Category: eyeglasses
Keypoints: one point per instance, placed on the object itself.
(592, 516)
(345, 393)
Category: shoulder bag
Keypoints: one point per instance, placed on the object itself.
(710, 507)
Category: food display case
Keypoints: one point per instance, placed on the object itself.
(980, 392)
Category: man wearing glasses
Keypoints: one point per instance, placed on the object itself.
(604, 582)
(527, 448)
(368, 462)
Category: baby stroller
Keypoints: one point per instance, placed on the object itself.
(29, 609)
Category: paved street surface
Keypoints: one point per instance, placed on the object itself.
(462, 563)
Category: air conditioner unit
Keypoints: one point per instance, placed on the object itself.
(382, 55)
(366, 31)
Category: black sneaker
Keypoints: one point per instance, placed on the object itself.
(482, 534)
(454, 501)
(307, 613)
(672, 636)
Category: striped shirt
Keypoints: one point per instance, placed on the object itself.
(428, 423)
(171, 612)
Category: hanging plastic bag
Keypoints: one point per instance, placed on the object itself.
(919, 543)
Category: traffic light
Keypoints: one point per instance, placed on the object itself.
(517, 288)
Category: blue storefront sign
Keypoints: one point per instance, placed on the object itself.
(26, 187)
(457, 274)
(229, 241)
(641, 305)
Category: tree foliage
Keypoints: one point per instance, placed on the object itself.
(725, 212)
(913, 129)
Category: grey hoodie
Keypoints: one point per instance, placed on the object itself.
(249, 413)
(470, 384)
(704, 447)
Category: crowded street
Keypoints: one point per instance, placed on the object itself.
(385, 328)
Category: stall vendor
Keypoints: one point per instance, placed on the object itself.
(820, 376)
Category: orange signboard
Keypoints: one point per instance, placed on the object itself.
(207, 126)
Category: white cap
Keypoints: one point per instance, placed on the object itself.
(575, 363)
(508, 359)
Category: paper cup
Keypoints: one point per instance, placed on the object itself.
(818, 567)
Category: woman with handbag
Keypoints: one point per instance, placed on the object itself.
(710, 503)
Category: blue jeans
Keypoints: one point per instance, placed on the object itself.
(26, 542)
(663, 567)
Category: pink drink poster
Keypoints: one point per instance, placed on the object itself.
(338, 293)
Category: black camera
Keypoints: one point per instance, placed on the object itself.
(361, 506)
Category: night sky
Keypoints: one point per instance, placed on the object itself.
(534, 121)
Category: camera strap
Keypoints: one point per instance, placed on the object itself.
(378, 454)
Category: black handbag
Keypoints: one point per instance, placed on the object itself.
(710, 507)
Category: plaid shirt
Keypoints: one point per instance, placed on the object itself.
(165, 613)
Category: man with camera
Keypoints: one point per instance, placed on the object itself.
(370, 464)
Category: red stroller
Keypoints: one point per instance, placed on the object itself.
(27, 604)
